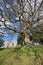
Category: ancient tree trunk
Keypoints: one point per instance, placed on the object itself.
(27, 39)
(23, 39)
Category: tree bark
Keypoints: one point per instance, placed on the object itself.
(27, 39)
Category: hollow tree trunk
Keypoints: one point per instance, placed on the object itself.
(23, 39)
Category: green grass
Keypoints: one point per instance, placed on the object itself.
(25, 55)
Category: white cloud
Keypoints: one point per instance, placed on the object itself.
(7, 5)
(8, 23)
(17, 18)
(2, 19)
(1, 8)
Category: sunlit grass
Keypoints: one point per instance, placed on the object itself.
(24, 55)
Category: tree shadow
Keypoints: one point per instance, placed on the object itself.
(2, 49)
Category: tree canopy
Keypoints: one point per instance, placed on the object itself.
(21, 16)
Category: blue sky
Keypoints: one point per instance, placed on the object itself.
(9, 37)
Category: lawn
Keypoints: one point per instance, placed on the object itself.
(25, 55)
